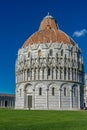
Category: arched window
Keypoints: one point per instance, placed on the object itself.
(64, 73)
(42, 73)
(28, 73)
(75, 74)
(65, 92)
(68, 73)
(56, 72)
(39, 52)
(40, 91)
(53, 91)
(48, 71)
(51, 52)
(28, 54)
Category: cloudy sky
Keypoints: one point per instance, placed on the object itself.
(20, 18)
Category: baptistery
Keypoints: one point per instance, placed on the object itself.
(49, 70)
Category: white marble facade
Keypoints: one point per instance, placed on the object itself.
(49, 76)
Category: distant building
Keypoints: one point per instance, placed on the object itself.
(7, 100)
(49, 70)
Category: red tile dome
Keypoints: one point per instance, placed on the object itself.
(48, 33)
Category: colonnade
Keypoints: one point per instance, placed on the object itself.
(50, 73)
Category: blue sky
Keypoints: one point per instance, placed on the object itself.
(20, 18)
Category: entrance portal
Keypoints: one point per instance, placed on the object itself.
(29, 102)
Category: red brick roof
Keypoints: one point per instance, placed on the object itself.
(48, 33)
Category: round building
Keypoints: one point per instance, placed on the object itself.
(49, 70)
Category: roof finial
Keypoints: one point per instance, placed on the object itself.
(48, 14)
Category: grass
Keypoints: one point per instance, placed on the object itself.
(42, 120)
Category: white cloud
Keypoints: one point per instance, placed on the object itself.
(80, 33)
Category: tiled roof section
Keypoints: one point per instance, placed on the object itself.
(48, 21)
(48, 32)
(7, 95)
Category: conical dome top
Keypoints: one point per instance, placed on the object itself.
(48, 23)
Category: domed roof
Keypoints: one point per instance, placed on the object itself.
(48, 33)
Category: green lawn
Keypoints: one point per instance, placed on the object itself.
(42, 120)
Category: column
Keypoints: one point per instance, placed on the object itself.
(24, 98)
(1, 103)
(37, 74)
(54, 73)
(50, 77)
(47, 103)
(63, 73)
(32, 74)
(78, 97)
(40, 74)
(33, 105)
(45, 73)
(21, 76)
(25, 75)
(59, 73)
(70, 98)
(66, 73)
(59, 98)
(70, 73)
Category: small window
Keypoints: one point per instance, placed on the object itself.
(53, 91)
(39, 52)
(28, 54)
(51, 52)
(40, 91)
(68, 73)
(64, 91)
(61, 52)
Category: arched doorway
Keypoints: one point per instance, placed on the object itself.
(29, 101)
(75, 102)
(6, 103)
(28, 96)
